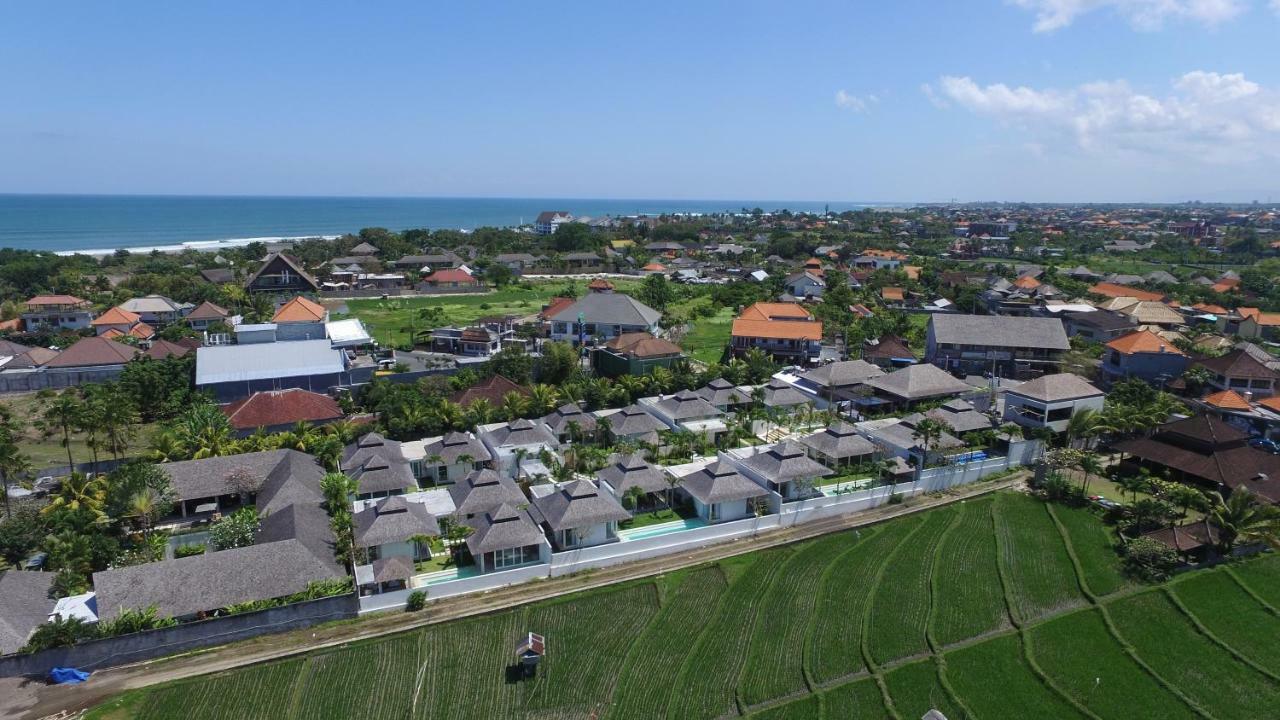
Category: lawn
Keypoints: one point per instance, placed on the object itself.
(645, 518)
(45, 452)
(783, 633)
(394, 320)
(707, 336)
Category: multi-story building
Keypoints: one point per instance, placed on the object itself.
(784, 330)
(62, 312)
(995, 344)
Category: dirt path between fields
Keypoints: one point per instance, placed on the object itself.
(33, 698)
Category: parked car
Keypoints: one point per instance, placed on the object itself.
(1266, 445)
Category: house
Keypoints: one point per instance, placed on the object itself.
(505, 538)
(900, 438)
(570, 423)
(517, 263)
(1050, 401)
(805, 285)
(959, 416)
(578, 514)
(60, 312)
(1251, 323)
(888, 352)
(515, 446)
(218, 276)
(25, 604)
(1207, 452)
(445, 459)
(378, 467)
(1145, 355)
(117, 323)
(1239, 371)
(278, 410)
(480, 491)
(492, 390)
(1146, 313)
(582, 262)
(630, 472)
(892, 294)
(395, 527)
(471, 342)
(603, 315)
(232, 372)
(300, 319)
(687, 411)
(280, 273)
(840, 380)
(1114, 290)
(785, 468)
(450, 278)
(636, 353)
(205, 315)
(1195, 541)
(91, 359)
(907, 386)
(839, 446)
(779, 393)
(785, 331)
(1099, 326)
(999, 345)
(634, 424)
(293, 547)
(155, 310)
(720, 493)
(549, 221)
(725, 395)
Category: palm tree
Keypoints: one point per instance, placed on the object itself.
(119, 418)
(1133, 484)
(542, 399)
(62, 416)
(1081, 426)
(12, 460)
(927, 431)
(514, 405)
(204, 432)
(337, 490)
(480, 412)
(1089, 465)
(89, 422)
(1242, 519)
(80, 493)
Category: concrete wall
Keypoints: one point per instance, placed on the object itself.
(55, 378)
(110, 652)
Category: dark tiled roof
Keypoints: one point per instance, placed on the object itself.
(455, 445)
(523, 432)
(281, 407)
(839, 440)
(493, 389)
(559, 420)
(1239, 364)
(785, 461)
(94, 351)
(687, 404)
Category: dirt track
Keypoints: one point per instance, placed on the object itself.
(26, 698)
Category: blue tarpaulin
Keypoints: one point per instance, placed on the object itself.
(67, 676)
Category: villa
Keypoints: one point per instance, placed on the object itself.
(687, 411)
(505, 538)
(394, 527)
(378, 466)
(578, 514)
(445, 459)
(721, 494)
(725, 395)
(483, 490)
(634, 424)
(633, 471)
(570, 423)
(784, 468)
(839, 446)
(515, 447)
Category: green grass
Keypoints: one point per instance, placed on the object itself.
(900, 609)
(916, 689)
(1082, 659)
(1232, 616)
(46, 452)
(836, 650)
(707, 336)
(645, 518)
(1042, 578)
(1262, 577)
(1094, 545)
(1206, 673)
(664, 645)
(964, 575)
(786, 631)
(992, 679)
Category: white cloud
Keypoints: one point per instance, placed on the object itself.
(1141, 14)
(1205, 116)
(855, 103)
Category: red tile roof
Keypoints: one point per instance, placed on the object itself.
(94, 351)
(161, 349)
(208, 311)
(281, 407)
(56, 300)
(299, 309)
(555, 305)
(493, 390)
(116, 316)
(1227, 400)
(450, 276)
(1143, 341)
(1113, 290)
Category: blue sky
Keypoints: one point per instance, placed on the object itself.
(1038, 100)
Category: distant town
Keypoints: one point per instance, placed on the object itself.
(390, 419)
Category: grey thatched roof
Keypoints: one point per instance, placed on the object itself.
(632, 420)
(375, 473)
(720, 482)
(1000, 331)
(916, 382)
(456, 444)
(782, 394)
(633, 471)
(1055, 388)
(523, 432)
(721, 392)
(559, 420)
(785, 461)
(396, 567)
(502, 528)
(185, 586)
(393, 520)
(578, 504)
(960, 416)
(483, 490)
(24, 605)
(903, 434)
(839, 440)
(842, 374)
(193, 479)
(686, 404)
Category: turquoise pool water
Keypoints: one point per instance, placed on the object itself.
(663, 529)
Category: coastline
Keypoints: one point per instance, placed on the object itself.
(198, 245)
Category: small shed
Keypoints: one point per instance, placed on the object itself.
(529, 652)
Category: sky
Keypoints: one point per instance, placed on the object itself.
(902, 101)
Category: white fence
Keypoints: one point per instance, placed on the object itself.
(792, 513)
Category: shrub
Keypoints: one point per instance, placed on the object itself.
(895, 499)
(417, 600)
(235, 530)
(1149, 561)
(189, 550)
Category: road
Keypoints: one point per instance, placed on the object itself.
(24, 698)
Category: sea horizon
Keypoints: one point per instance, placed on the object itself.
(102, 223)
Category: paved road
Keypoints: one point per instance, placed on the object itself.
(34, 699)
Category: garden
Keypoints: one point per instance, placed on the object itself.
(997, 607)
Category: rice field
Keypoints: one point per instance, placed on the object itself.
(883, 622)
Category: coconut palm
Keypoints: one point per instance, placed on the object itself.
(1089, 465)
(80, 493)
(480, 412)
(927, 431)
(514, 405)
(1242, 519)
(119, 418)
(61, 417)
(542, 399)
(1080, 428)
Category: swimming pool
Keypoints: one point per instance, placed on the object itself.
(970, 457)
(663, 529)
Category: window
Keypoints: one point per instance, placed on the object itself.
(512, 557)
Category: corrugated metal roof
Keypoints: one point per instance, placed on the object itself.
(238, 363)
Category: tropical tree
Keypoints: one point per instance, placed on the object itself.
(542, 399)
(203, 431)
(337, 490)
(1134, 484)
(12, 460)
(927, 431)
(81, 495)
(1242, 519)
(119, 418)
(1080, 428)
(1089, 465)
(62, 417)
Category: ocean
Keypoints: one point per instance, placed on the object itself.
(98, 224)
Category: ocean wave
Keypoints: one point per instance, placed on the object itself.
(200, 245)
